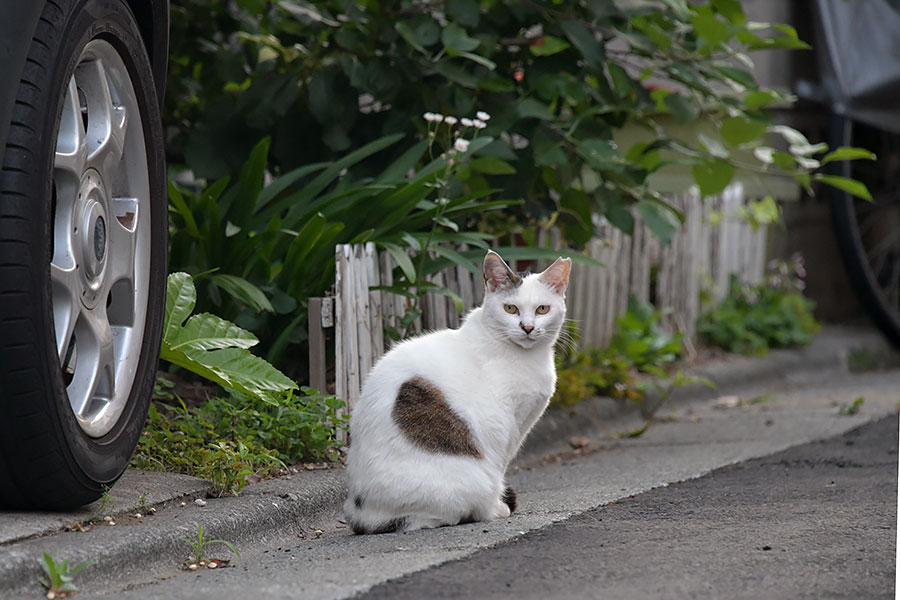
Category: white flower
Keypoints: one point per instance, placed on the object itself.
(438, 117)
(466, 122)
(428, 117)
(461, 145)
(479, 124)
(483, 115)
(450, 120)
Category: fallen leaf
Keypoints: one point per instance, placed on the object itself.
(727, 402)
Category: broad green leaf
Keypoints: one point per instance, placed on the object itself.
(548, 45)
(761, 212)
(710, 28)
(547, 151)
(208, 332)
(177, 200)
(713, 146)
(761, 98)
(712, 176)
(851, 186)
(407, 34)
(662, 222)
(531, 108)
(244, 291)
(457, 74)
(848, 153)
(181, 297)
(284, 182)
(600, 153)
(731, 10)
(455, 39)
(683, 109)
(585, 41)
(464, 12)
(491, 165)
(240, 201)
(234, 366)
(403, 260)
(738, 130)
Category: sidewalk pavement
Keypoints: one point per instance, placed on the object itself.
(152, 542)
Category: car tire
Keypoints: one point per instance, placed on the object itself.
(83, 252)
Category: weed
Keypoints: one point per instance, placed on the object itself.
(105, 509)
(751, 319)
(852, 408)
(198, 546)
(228, 438)
(58, 578)
(143, 506)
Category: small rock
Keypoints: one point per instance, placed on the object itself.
(200, 502)
(138, 516)
(51, 595)
(183, 504)
(211, 565)
(192, 567)
(111, 522)
(152, 510)
(107, 518)
(579, 442)
(727, 402)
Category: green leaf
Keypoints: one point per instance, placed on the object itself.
(600, 153)
(548, 45)
(547, 152)
(848, 153)
(662, 221)
(181, 296)
(233, 367)
(407, 34)
(761, 98)
(177, 200)
(851, 186)
(712, 176)
(208, 332)
(240, 201)
(484, 62)
(731, 10)
(464, 12)
(457, 74)
(244, 291)
(738, 130)
(403, 260)
(531, 108)
(491, 165)
(585, 41)
(455, 39)
(683, 109)
(710, 28)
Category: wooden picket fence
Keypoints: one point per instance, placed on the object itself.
(699, 255)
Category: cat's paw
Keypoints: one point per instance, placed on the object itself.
(501, 511)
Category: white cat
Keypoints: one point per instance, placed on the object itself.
(442, 415)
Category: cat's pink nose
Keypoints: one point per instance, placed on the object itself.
(526, 328)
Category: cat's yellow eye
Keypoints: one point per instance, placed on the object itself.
(511, 309)
(543, 309)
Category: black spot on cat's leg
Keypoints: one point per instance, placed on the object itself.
(394, 525)
(425, 418)
(510, 499)
(358, 502)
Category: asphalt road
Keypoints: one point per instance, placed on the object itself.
(814, 521)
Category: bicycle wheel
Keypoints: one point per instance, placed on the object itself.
(868, 233)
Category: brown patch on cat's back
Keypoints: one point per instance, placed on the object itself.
(423, 416)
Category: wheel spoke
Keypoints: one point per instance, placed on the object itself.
(93, 385)
(71, 142)
(107, 119)
(64, 285)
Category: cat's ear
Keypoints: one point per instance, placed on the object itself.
(557, 275)
(497, 274)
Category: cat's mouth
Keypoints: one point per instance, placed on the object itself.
(527, 340)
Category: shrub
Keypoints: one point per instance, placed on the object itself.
(750, 319)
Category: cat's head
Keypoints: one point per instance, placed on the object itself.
(526, 311)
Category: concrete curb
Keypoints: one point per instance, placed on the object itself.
(292, 504)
